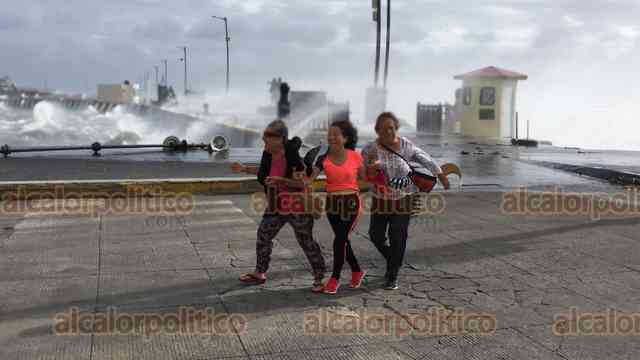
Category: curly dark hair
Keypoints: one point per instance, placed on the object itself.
(387, 115)
(348, 131)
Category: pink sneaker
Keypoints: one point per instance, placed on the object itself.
(331, 287)
(356, 279)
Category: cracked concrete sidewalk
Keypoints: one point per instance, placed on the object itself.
(521, 269)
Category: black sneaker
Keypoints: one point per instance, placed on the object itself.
(391, 284)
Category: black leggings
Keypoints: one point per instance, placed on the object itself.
(343, 212)
(390, 221)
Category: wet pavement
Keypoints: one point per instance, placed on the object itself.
(520, 269)
(484, 165)
(472, 258)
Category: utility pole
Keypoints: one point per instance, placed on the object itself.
(376, 98)
(165, 80)
(145, 88)
(186, 87)
(386, 62)
(376, 18)
(227, 39)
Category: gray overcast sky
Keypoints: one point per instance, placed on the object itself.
(580, 55)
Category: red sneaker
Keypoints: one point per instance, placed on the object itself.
(253, 279)
(331, 287)
(356, 279)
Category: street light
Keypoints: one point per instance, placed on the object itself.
(227, 38)
(376, 17)
(186, 89)
(377, 13)
(165, 81)
(386, 61)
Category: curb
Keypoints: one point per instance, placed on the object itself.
(22, 190)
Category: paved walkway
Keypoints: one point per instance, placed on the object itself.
(521, 269)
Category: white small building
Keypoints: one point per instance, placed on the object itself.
(116, 93)
(486, 103)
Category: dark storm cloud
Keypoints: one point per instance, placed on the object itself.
(11, 22)
(162, 29)
(75, 44)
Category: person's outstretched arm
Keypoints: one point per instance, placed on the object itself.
(420, 156)
(371, 163)
(296, 182)
(314, 174)
(238, 168)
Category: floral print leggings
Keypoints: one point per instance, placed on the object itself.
(302, 225)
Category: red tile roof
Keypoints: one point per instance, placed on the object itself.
(491, 72)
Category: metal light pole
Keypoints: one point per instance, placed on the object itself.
(386, 62)
(227, 39)
(166, 73)
(146, 87)
(186, 88)
(376, 18)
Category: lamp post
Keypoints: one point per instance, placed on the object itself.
(227, 39)
(376, 98)
(186, 89)
(376, 18)
(386, 62)
(166, 73)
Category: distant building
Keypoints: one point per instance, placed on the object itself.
(429, 118)
(436, 119)
(486, 103)
(7, 86)
(116, 93)
(166, 95)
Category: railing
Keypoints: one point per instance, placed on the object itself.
(171, 143)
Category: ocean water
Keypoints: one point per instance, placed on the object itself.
(49, 124)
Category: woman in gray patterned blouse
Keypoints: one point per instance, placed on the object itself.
(391, 207)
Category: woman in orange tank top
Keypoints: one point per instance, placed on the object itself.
(343, 167)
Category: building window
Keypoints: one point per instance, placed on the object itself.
(466, 96)
(487, 114)
(488, 96)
